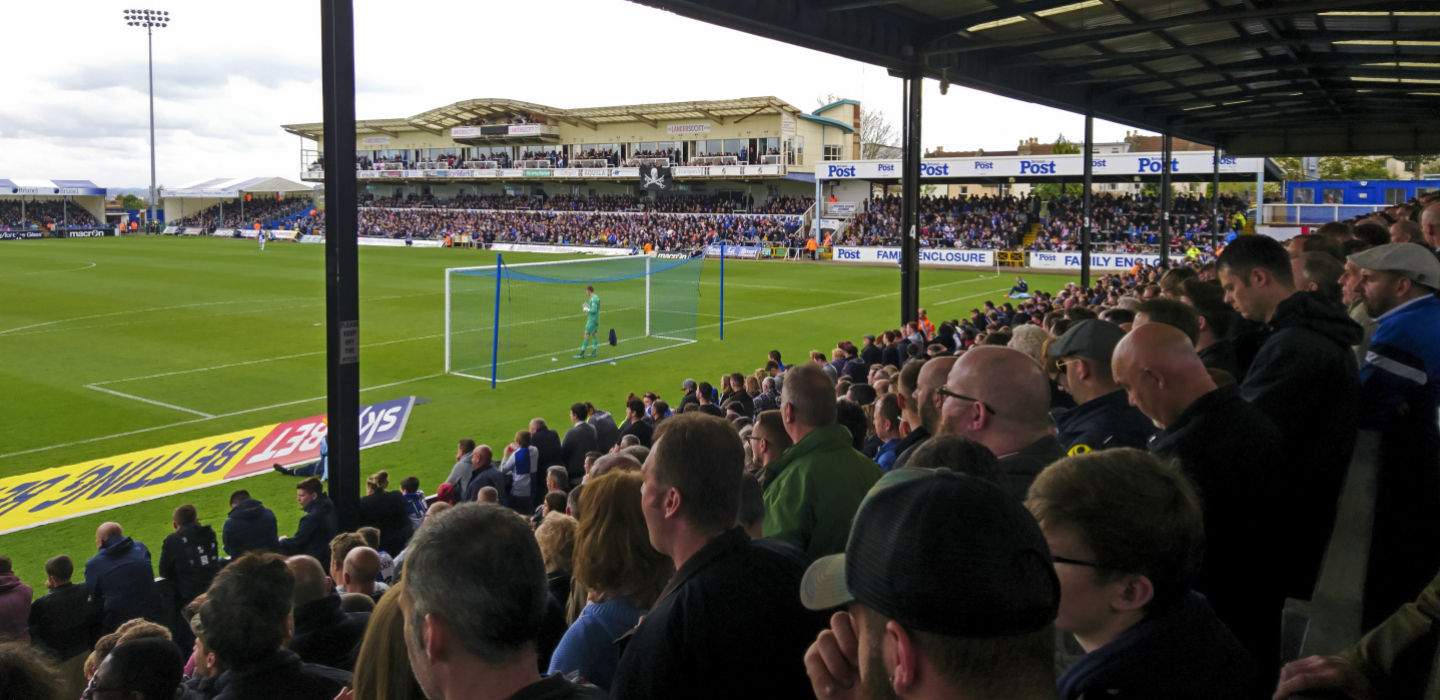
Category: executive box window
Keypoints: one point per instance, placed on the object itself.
(1305, 195)
(1334, 196)
(1395, 195)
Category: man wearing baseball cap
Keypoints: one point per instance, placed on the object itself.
(1400, 397)
(949, 591)
(1103, 417)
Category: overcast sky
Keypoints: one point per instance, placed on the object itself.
(227, 76)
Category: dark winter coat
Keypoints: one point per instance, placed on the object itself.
(251, 526)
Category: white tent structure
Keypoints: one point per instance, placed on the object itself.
(184, 201)
(82, 194)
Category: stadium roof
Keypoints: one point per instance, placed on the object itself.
(232, 186)
(470, 112)
(1258, 77)
(53, 188)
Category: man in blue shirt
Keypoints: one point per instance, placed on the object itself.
(1400, 397)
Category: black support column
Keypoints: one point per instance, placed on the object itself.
(1165, 156)
(910, 202)
(342, 289)
(1088, 196)
(1215, 200)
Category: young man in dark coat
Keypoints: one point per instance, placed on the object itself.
(317, 527)
(324, 634)
(251, 526)
(189, 560)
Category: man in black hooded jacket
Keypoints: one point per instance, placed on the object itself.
(250, 526)
(317, 527)
(1304, 379)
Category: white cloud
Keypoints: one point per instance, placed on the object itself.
(227, 77)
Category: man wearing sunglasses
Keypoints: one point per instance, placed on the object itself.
(1103, 417)
(1000, 398)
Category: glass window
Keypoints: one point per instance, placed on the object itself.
(1334, 196)
(1395, 195)
(648, 146)
(1422, 191)
(732, 146)
(799, 144)
(1304, 195)
(832, 152)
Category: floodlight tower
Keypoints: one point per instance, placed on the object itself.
(150, 20)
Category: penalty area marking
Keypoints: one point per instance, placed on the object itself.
(86, 266)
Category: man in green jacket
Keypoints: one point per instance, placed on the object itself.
(1397, 659)
(815, 487)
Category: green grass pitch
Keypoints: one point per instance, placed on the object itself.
(220, 328)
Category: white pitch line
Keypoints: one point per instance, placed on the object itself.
(50, 272)
(149, 401)
(134, 311)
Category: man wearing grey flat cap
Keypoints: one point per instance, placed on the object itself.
(1103, 417)
(1400, 397)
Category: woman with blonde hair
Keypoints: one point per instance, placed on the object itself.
(620, 570)
(385, 511)
(382, 668)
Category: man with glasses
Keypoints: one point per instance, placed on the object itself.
(148, 668)
(1103, 417)
(768, 440)
(1126, 535)
(1000, 398)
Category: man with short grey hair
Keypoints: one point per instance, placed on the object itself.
(769, 398)
(814, 488)
(474, 600)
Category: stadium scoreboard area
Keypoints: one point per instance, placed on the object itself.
(496, 146)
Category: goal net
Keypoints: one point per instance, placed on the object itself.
(505, 322)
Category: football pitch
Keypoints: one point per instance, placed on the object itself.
(120, 344)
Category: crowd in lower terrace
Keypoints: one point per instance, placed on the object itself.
(1126, 222)
(1133, 474)
(660, 231)
(43, 214)
(260, 210)
(676, 203)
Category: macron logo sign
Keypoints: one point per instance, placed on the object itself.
(1030, 167)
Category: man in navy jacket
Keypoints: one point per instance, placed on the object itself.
(122, 578)
(250, 526)
(317, 527)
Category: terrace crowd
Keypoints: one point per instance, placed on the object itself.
(1092, 492)
(260, 210)
(659, 231)
(670, 204)
(47, 214)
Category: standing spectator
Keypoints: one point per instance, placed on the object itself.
(250, 526)
(689, 387)
(769, 398)
(547, 443)
(999, 398)
(768, 440)
(705, 394)
(579, 439)
(606, 432)
(1215, 318)
(520, 465)
(383, 665)
(635, 423)
(948, 590)
(742, 393)
(620, 571)
(386, 511)
(122, 578)
(461, 471)
(1126, 535)
(484, 472)
(317, 527)
(1401, 399)
(887, 429)
(1235, 457)
(871, 353)
(912, 397)
(64, 623)
(473, 607)
(726, 585)
(890, 354)
(1305, 379)
(246, 621)
(15, 600)
(324, 634)
(140, 669)
(814, 488)
(189, 560)
(1103, 417)
(415, 505)
(856, 368)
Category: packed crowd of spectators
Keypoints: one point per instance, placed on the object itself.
(1125, 223)
(670, 203)
(42, 214)
(260, 210)
(659, 231)
(1093, 492)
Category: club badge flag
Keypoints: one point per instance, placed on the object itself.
(97, 485)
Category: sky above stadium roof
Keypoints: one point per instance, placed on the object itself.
(227, 77)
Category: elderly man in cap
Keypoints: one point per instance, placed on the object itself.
(1400, 397)
(1103, 417)
(948, 591)
(689, 387)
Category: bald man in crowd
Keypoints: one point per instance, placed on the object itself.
(362, 567)
(1235, 456)
(122, 579)
(1000, 398)
(927, 401)
(324, 634)
(1407, 231)
(488, 494)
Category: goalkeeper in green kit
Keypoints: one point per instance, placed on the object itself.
(591, 307)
